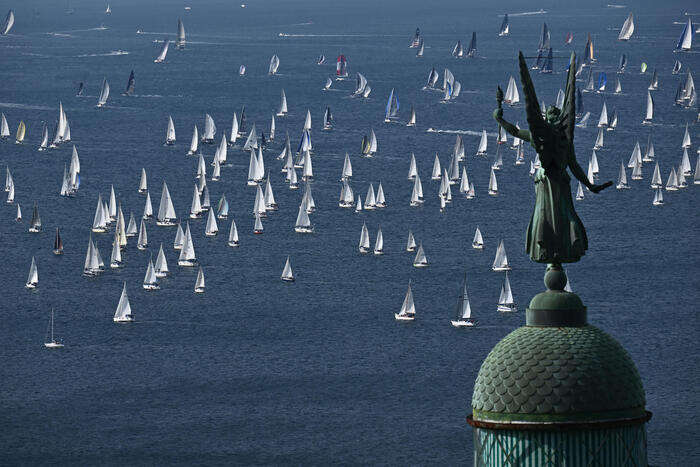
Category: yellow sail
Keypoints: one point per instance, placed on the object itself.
(21, 129)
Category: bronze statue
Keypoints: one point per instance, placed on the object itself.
(555, 234)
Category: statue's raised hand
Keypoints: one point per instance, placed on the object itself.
(598, 188)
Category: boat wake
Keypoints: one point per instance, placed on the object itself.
(151, 32)
(284, 34)
(459, 132)
(113, 53)
(13, 105)
(529, 13)
(58, 34)
(615, 5)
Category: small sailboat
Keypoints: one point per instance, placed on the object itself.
(143, 182)
(303, 222)
(379, 242)
(142, 242)
(258, 228)
(8, 23)
(4, 127)
(392, 107)
(57, 243)
(163, 52)
(161, 266)
(364, 239)
(505, 301)
(33, 278)
(274, 65)
(408, 308)
(150, 281)
(627, 28)
(130, 85)
(104, 93)
(676, 67)
(493, 184)
(123, 312)
(658, 198)
(166, 210)
(283, 105)
(21, 132)
(478, 242)
(52, 343)
(464, 310)
(93, 260)
(180, 42)
(505, 27)
(500, 262)
(241, 70)
(35, 223)
(187, 255)
(199, 283)
(622, 178)
(649, 113)
(656, 181)
(411, 242)
(170, 132)
(287, 273)
(481, 151)
(512, 95)
(212, 228)
(421, 49)
(685, 41)
(11, 194)
(18, 214)
(179, 238)
(420, 261)
(147, 207)
(233, 235)
(579, 192)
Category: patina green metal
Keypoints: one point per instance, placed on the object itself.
(557, 391)
(555, 233)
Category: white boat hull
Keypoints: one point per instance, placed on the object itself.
(125, 319)
(507, 308)
(187, 262)
(166, 223)
(463, 324)
(420, 265)
(400, 317)
(53, 345)
(233, 244)
(151, 286)
(199, 290)
(306, 230)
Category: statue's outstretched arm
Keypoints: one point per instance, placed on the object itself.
(509, 127)
(581, 175)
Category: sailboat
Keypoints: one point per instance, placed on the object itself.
(11, 194)
(170, 132)
(603, 120)
(654, 83)
(21, 131)
(677, 67)
(212, 229)
(685, 41)
(303, 222)
(187, 255)
(415, 42)
(420, 261)
(180, 42)
(4, 127)
(471, 50)
(481, 151)
(500, 262)
(163, 52)
(599, 139)
(379, 242)
(199, 286)
(512, 95)
(364, 239)
(627, 28)
(258, 228)
(478, 242)
(52, 343)
(505, 301)
(544, 39)
(464, 311)
(505, 27)
(649, 114)
(233, 235)
(622, 178)
(123, 312)
(241, 70)
(44, 139)
(421, 49)
(35, 223)
(166, 210)
(347, 196)
(579, 192)
(287, 273)
(658, 198)
(358, 206)
(58, 243)
(130, 85)
(18, 214)
(341, 67)
(408, 308)
(548, 64)
(161, 266)
(33, 279)
(283, 105)
(142, 242)
(274, 65)
(493, 184)
(93, 261)
(150, 281)
(104, 93)
(686, 138)
(411, 242)
(147, 207)
(8, 23)
(143, 182)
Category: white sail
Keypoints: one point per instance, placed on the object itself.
(209, 129)
(142, 242)
(212, 228)
(148, 207)
(505, 301)
(636, 157)
(166, 210)
(493, 183)
(234, 129)
(287, 274)
(627, 28)
(686, 40)
(412, 169)
(478, 242)
(420, 261)
(199, 286)
(437, 171)
(512, 95)
(364, 239)
(163, 52)
(180, 43)
(104, 93)
(603, 120)
(686, 138)
(187, 254)
(411, 242)
(123, 311)
(347, 167)
(656, 181)
(274, 65)
(408, 308)
(500, 262)
(483, 142)
(4, 127)
(161, 266)
(33, 278)
(222, 208)
(622, 178)
(9, 22)
(379, 242)
(370, 200)
(150, 280)
(649, 114)
(233, 235)
(170, 132)
(252, 141)
(282, 111)
(179, 238)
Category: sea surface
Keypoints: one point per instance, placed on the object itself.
(257, 371)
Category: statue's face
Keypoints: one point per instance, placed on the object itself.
(552, 114)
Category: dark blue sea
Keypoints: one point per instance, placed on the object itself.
(257, 371)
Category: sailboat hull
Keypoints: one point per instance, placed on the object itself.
(500, 269)
(400, 317)
(125, 319)
(151, 286)
(53, 345)
(187, 262)
(30, 285)
(165, 223)
(306, 230)
(507, 308)
(420, 265)
(463, 324)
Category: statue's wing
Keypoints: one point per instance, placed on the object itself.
(567, 119)
(538, 127)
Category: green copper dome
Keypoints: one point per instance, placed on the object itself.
(557, 374)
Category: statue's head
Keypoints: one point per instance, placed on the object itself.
(552, 114)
